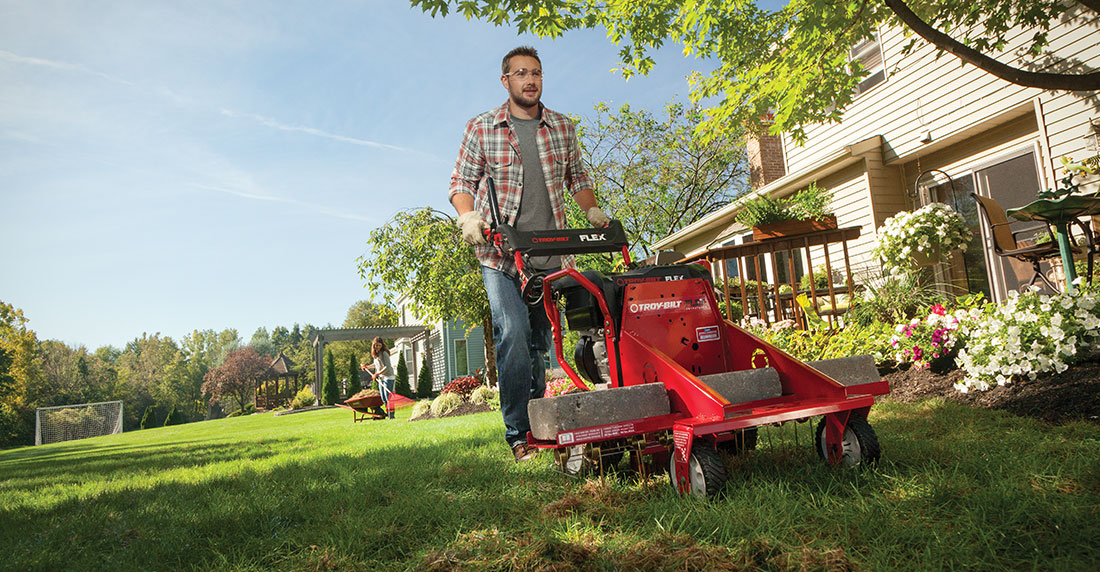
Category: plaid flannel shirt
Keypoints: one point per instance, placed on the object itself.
(490, 149)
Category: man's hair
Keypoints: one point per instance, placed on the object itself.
(520, 51)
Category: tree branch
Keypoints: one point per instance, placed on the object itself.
(1042, 80)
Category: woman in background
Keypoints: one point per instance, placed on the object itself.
(383, 371)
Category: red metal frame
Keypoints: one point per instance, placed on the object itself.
(672, 332)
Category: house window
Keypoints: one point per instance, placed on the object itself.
(869, 55)
(462, 362)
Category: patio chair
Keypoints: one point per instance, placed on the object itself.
(1006, 243)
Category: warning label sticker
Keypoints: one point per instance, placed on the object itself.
(596, 433)
(707, 333)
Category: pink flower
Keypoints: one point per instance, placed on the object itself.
(939, 310)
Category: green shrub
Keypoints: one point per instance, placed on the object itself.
(485, 395)
(424, 380)
(446, 403)
(421, 408)
(893, 300)
(330, 393)
(738, 312)
(821, 280)
(304, 398)
(175, 417)
(354, 383)
(149, 419)
(811, 203)
(812, 345)
(760, 211)
(401, 379)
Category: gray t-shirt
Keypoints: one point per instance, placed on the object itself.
(382, 365)
(535, 212)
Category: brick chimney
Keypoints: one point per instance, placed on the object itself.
(765, 159)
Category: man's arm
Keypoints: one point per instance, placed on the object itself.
(467, 173)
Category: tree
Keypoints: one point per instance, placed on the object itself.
(261, 341)
(401, 379)
(237, 377)
(424, 380)
(365, 314)
(656, 175)
(795, 61)
(149, 418)
(150, 370)
(330, 393)
(354, 384)
(421, 252)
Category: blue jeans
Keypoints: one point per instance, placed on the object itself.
(385, 387)
(522, 335)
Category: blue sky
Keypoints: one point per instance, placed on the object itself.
(172, 166)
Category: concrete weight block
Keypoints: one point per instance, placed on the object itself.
(745, 385)
(550, 415)
(848, 371)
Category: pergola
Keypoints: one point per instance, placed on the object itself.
(322, 337)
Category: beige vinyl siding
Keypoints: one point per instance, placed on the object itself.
(961, 160)
(923, 93)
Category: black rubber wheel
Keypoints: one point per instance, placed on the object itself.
(706, 473)
(858, 446)
(743, 441)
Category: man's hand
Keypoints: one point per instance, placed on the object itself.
(472, 225)
(596, 217)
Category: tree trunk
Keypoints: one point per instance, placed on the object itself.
(490, 351)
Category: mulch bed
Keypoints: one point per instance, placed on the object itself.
(464, 409)
(1072, 395)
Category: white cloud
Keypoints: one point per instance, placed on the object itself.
(59, 65)
(268, 122)
(320, 209)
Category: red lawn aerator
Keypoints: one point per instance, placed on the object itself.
(676, 381)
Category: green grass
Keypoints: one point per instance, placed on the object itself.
(957, 488)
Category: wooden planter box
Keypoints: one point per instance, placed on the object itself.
(792, 228)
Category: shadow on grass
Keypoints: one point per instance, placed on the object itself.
(377, 505)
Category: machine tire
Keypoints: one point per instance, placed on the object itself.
(743, 441)
(706, 473)
(859, 444)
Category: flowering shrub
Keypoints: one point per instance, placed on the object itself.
(923, 230)
(561, 386)
(1028, 335)
(463, 386)
(932, 341)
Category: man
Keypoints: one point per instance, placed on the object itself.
(533, 157)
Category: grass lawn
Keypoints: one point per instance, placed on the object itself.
(957, 488)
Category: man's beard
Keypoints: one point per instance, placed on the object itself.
(524, 100)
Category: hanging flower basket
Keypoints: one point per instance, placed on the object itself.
(792, 228)
(930, 258)
(921, 238)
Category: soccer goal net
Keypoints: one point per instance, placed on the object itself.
(68, 422)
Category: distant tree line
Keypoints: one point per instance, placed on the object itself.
(155, 376)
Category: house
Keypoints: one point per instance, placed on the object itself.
(452, 350)
(925, 129)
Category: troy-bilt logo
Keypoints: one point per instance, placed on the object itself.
(550, 239)
(594, 237)
(655, 306)
(688, 304)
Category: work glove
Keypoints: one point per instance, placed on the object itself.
(596, 217)
(472, 225)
